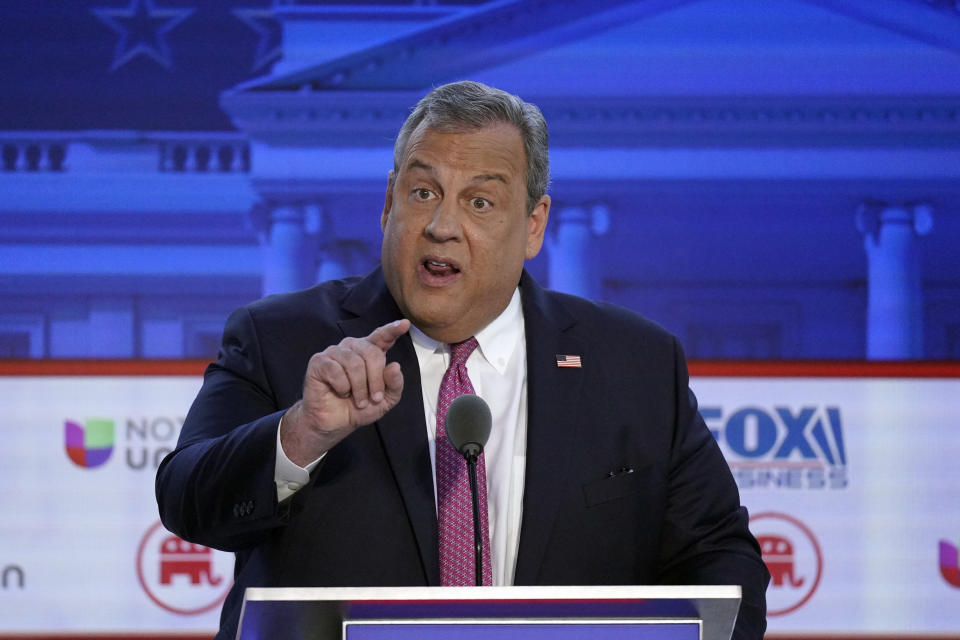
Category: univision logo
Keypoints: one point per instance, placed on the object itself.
(89, 444)
(950, 563)
(142, 441)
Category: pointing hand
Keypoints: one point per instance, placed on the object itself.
(347, 385)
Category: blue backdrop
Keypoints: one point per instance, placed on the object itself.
(768, 179)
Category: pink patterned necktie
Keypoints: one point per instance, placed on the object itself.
(454, 507)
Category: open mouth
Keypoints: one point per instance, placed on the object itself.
(440, 268)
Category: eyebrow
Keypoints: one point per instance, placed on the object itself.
(490, 176)
(419, 164)
(483, 177)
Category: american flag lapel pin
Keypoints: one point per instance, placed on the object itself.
(570, 361)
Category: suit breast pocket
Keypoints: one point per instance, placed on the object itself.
(621, 484)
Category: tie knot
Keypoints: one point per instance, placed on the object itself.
(460, 351)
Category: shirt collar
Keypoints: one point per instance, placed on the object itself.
(497, 340)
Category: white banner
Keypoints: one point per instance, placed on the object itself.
(83, 549)
(851, 484)
(854, 494)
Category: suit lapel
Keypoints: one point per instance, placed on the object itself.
(402, 430)
(552, 416)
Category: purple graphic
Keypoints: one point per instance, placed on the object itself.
(949, 568)
(89, 444)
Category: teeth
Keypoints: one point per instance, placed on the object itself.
(438, 264)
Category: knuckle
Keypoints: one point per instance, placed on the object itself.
(370, 352)
(342, 356)
(329, 367)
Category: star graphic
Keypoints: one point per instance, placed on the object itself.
(267, 27)
(143, 29)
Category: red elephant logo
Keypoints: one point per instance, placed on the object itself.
(778, 556)
(178, 557)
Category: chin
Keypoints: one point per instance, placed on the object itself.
(442, 328)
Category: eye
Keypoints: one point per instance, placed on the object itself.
(480, 204)
(422, 194)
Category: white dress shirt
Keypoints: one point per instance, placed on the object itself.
(498, 372)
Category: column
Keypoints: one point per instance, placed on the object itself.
(894, 278)
(333, 263)
(290, 248)
(569, 240)
(344, 257)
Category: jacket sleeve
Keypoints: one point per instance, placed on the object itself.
(217, 487)
(705, 536)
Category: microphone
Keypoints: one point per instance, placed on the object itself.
(468, 425)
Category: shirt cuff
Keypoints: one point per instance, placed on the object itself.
(288, 475)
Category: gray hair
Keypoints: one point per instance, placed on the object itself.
(467, 105)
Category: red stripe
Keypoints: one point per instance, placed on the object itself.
(102, 367)
(701, 368)
(824, 369)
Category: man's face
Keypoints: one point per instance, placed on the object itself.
(456, 229)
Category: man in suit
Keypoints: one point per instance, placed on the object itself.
(312, 450)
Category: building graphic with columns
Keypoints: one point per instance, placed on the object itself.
(766, 179)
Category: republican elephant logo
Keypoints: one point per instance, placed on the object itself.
(778, 556)
(195, 561)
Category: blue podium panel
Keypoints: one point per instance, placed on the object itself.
(491, 613)
(514, 630)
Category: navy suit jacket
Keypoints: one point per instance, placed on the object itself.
(624, 483)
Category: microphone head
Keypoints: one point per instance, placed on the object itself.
(468, 424)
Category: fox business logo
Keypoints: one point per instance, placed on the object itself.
(781, 447)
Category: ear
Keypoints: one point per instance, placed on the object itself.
(387, 200)
(536, 225)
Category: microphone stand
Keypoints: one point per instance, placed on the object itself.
(471, 454)
(469, 422)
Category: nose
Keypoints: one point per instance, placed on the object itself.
(445, 223)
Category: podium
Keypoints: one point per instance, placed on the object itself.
(490, 613)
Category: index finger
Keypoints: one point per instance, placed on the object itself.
(384, 337)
